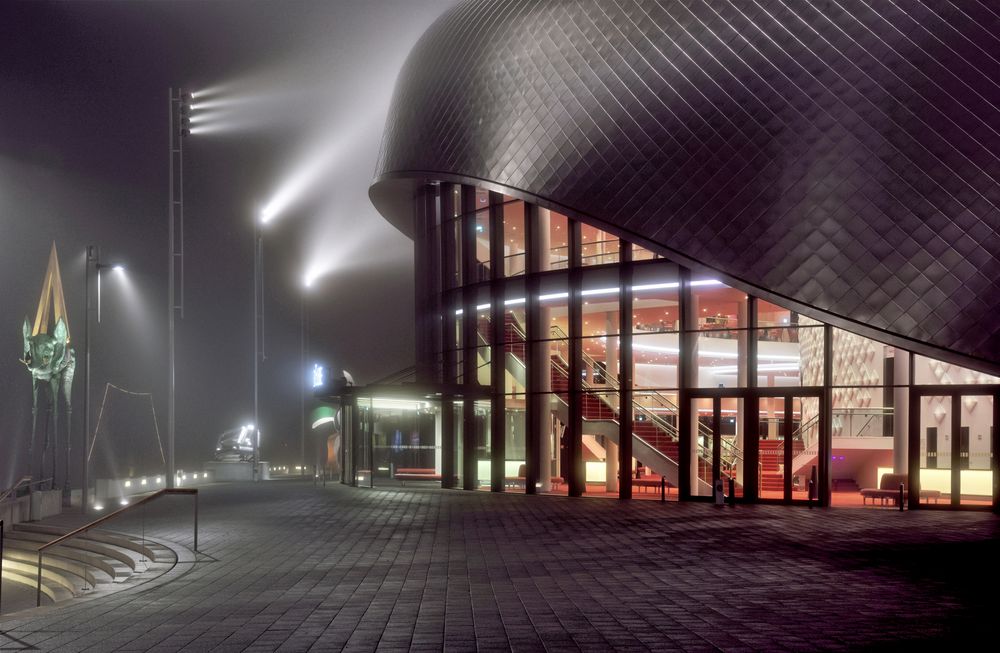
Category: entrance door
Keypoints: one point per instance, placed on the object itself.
(719, 445)
(953, 448)
(789, 445)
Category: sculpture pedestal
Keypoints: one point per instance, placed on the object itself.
(237, 471)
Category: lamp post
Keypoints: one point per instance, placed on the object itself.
(93, 260)
(179, 127)
(304, 324)
(258, 334)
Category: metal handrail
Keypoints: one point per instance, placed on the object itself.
(96, 522)
(24, 482)
(6, 493)
(734, 455)
(664, 401)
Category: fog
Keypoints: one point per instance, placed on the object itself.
(290, 104)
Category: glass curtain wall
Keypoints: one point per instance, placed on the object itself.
(707, 339)
(655, 378)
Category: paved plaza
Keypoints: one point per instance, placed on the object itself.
(292, 567)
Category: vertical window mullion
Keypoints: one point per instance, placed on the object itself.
(498, 454)
(687, 368)
(576, 481)
(470, 339)
(447, 234)
(535, 362)
(625, 371)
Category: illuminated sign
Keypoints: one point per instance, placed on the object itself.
(318, 375)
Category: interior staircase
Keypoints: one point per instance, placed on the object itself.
(655, 440)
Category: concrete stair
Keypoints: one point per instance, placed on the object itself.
(95, 561)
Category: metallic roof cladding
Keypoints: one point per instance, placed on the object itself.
(852, 147)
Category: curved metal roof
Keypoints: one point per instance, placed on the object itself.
(844, 155)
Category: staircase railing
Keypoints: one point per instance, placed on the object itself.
(24, 482)
(731, 456)
(105, 518)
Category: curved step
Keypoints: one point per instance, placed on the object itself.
(89, 574)
(96, 535)
(53, 592)
(50, 576)
(123, 555)
(80, 551)
(109, 568)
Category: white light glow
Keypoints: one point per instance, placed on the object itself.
(600, 291)
(209, 91)
(313, 168)
(511, 302)
(202, 118)
(397, 404)
(323, 420)
(656, 286)
(123, 502)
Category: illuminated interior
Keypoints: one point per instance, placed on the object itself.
(584, 344)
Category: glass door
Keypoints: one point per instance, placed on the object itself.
(718, 443)
(788, 446)
(957, 443)
(973, 450)
(934, 418)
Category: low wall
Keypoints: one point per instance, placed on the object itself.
(237, 471)
(45, 503)
(13, 511)
(111, 489)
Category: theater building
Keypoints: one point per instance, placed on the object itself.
(697, 244)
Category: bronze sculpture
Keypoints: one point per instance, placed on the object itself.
(51, 361)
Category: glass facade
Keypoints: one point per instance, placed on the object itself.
(591, 365)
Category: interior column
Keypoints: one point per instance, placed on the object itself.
(611, 378)
(900, 416)
(692, 382)
(742, 366)
(543, 245)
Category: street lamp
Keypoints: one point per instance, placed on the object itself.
(258, 332)
(93, 261)
(307, 283)
(179, 126)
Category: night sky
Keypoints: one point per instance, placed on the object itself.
(83, 160)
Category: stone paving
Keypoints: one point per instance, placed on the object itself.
(291, 567)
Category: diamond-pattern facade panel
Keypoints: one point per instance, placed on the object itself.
(845, 155)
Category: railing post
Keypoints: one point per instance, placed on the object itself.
(811, 490)
(732, 491)
(663, 489)
(196, 520)
(38, 589)
(902, 496)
